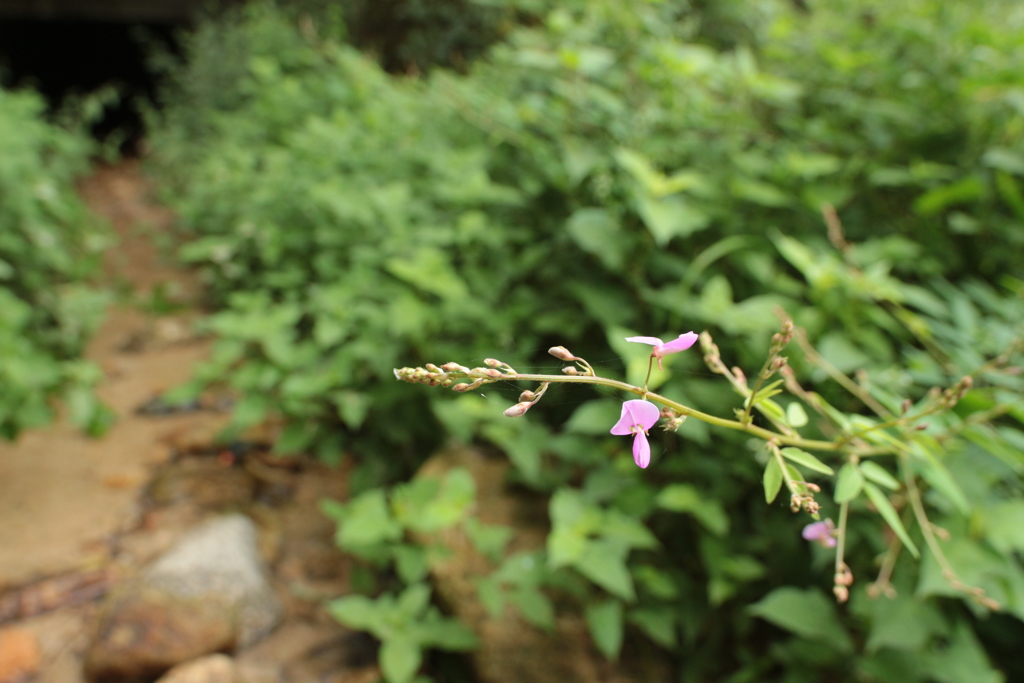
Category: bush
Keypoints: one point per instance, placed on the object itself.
(49, 246)
(624, 168)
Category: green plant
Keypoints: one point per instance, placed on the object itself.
(374, 526)
(620, 168)
(49, 246)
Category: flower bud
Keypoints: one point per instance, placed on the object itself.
(492, 363)
(454, 367)
(433, 368)
(518, 410)
(527, 396)
(561, 353)
(570, 371)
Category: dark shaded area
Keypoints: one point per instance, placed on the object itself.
(68, 59)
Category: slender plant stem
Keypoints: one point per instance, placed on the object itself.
(761, 432)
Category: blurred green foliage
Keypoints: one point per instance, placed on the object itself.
(49, 246)
(613, 168)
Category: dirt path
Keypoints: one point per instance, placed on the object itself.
(62, 494)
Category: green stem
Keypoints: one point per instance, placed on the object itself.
(761, 432)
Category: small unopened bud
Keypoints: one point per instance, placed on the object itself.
(454, 367)
(561, 353)
(921, 427)
(433, 368)
(518, 410)
(570, 371)
(467, 387)
(492, 363)
(707, 345)
(779, 363)
(738, 374)
(906, 406)
(528, 396)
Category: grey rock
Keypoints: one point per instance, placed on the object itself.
(221, 559)
(209, 593)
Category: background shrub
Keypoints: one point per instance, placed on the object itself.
(49, 246)
(613, 168)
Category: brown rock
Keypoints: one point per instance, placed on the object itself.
(146, 631)
(215, 668)
(19, 655)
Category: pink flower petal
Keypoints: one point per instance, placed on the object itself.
(820, 532)
(641, 450)
(683, 342)
(653, 341)
(644, 412)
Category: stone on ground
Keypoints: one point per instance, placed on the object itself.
(208, 594)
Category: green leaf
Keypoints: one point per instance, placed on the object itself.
(491, 595)
(849, 483)
(1004, 525)
(430, 270)
(593, 417)
(659, 623)
(368, 521)
(488, 539)
(807, 613)
(411, 563)
(400, 658)
(605, 564)
(535, 607)
(938, 476)
(891, 517)
(878, 474)
(806, 459)
(686, 498)
(604, 620)
(445, 633)
(671, 217)
(772, 479)
(796, 416)
(597, 232)
(359, 612)
(414, 600)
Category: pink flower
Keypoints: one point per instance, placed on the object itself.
(637, 417)
(661, 349)
(821, 532)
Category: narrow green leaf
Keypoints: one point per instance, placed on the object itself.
(891, 517)
(772, 480)
(767, 391)
(879, 475)
(771, 409)
(849, 483)
(806, 459)
(604, 620)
